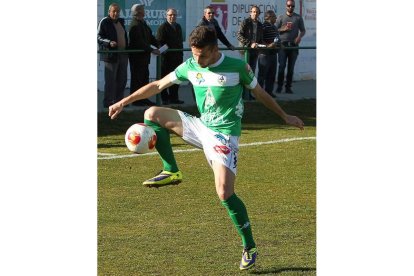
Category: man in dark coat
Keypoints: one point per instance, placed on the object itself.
(140, 38)
(170, 33)
(112, 36)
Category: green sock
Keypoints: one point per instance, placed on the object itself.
(238, 214)
(163, 146)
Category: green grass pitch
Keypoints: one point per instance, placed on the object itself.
(184, 230)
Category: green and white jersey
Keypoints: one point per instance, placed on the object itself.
(218, 91)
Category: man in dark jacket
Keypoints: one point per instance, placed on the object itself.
(112, 36)
(209, 21)
(250, 34)
(140, 38)
(170, 33)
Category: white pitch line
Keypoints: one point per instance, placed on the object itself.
(196, 149)
(106, 154)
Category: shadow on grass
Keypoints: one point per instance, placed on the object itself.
(276, 270)
(256, 116)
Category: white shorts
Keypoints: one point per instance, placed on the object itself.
(216, 146)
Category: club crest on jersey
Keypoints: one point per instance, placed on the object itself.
(221, 79)
(200, 78)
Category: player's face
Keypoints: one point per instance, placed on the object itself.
(114, 12)
(205, 56)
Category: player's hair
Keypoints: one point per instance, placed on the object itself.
(255, 6)
(203, 36)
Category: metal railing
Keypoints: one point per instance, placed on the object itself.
(158, 57)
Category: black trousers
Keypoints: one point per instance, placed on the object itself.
(139, 74)
(115, 80)
(168, 64)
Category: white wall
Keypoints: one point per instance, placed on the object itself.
(237, 10)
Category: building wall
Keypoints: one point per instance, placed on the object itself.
(231, 13)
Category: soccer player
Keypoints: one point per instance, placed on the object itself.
(218, 83)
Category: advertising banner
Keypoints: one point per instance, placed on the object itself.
(154, 12)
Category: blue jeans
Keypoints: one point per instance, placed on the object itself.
(267, 72)
(288, 56)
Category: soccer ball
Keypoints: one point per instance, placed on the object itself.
(140, 138)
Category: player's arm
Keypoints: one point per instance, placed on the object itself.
(263, 97)
(144, 92)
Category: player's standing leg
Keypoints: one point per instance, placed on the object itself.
(224, 180)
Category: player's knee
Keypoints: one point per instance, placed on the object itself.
(151, 113)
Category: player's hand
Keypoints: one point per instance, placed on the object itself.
(115, 109)
(231, 47)
(294, 121)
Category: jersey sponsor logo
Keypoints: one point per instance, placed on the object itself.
(199, 78)
(221, 149)
(213, 79)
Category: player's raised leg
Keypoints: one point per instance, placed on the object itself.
(224, 180)
(162, 120)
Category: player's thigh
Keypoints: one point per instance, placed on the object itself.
(166, 117)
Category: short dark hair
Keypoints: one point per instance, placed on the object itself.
(255, 6)
(203, 36)
(268, 14)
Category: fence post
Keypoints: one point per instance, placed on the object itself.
(246, 91)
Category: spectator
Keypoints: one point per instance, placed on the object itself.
(140, 38)
(170, 33)
(250, 34)
(209, 21)
(268, 58)
(112, 36)
(291, 29)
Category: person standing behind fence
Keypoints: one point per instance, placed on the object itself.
(250, 34)
(112, 36)
(170, 33)
(140, 38)
(209, 21)
(291, 28)
(267, 61)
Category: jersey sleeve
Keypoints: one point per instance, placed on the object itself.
(179, 74)
(247, 77)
